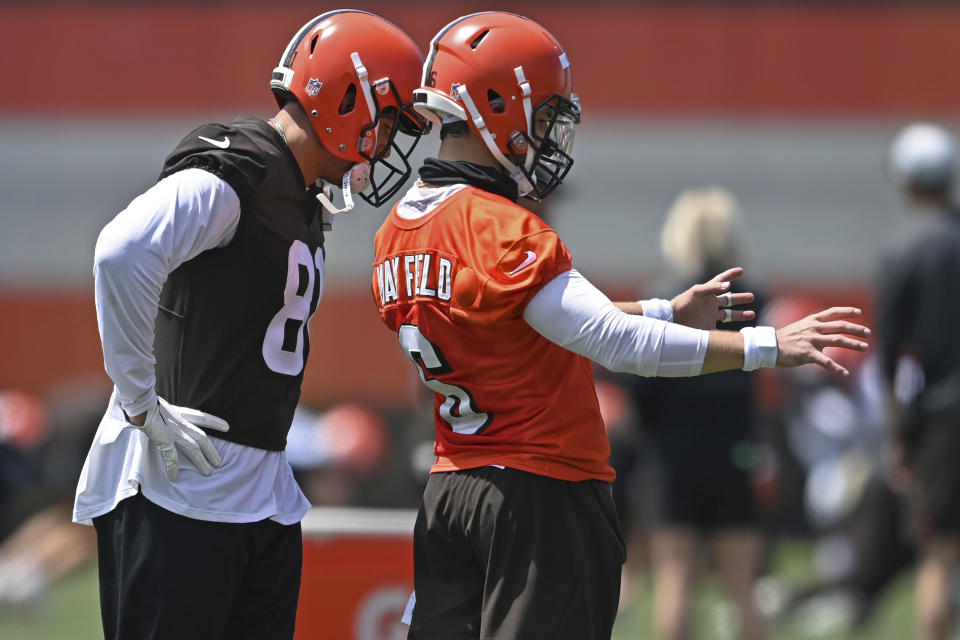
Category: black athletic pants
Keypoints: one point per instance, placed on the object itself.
(501, 554)
(164, 576)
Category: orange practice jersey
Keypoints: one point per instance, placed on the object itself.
(453, 284)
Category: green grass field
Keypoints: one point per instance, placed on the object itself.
(714, 619)
(71, 612)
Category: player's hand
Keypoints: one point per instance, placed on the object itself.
(702, 306)
(803, 341)
(171, 428)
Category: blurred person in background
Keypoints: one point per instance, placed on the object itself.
(43, 441)
(205, 286)
(517, 535)
(334, 451)
(917, 306)
(24, 428)
(702, 436)
(828, 433)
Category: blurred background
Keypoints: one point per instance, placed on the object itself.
(789, 105)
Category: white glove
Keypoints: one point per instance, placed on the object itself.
(170, 428)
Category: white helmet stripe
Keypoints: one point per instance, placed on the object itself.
(428, 63)
(285, 59)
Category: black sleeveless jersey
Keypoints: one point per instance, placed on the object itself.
(231, 331)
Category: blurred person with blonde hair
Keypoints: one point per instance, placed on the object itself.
(701, 431)
(703, 230)
(917, 308)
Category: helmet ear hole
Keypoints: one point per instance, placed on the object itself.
(349, 99)
(497, 103)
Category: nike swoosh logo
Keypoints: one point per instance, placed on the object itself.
(223, 144)
(531, 257)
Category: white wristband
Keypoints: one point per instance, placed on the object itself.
(759, 347)
(658, 309)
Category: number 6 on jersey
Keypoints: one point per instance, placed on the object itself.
(458, 409)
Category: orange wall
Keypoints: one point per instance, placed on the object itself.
(48, 340)
(156, 57)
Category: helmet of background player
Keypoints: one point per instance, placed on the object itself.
(24, 420)
(354, 74)
(510, 80)
(923, 158)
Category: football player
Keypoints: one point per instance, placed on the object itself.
(205, 285)
(517, 536)
(917, 307)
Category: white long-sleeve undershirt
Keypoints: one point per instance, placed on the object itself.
(574, 314)
(178, 218)
(175, 220)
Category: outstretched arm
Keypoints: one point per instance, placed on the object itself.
(801, 342)
(574, 314)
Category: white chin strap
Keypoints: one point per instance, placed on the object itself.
(354, 181)
(523, 185)
(527, 114)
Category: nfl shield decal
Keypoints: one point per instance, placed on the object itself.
(313, 87)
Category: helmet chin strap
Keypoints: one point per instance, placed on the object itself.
(523, 185)
(364, 79)
(355, 180)
(527, 114)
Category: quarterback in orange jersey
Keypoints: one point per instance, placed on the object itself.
(454, 286)
(517, 536)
